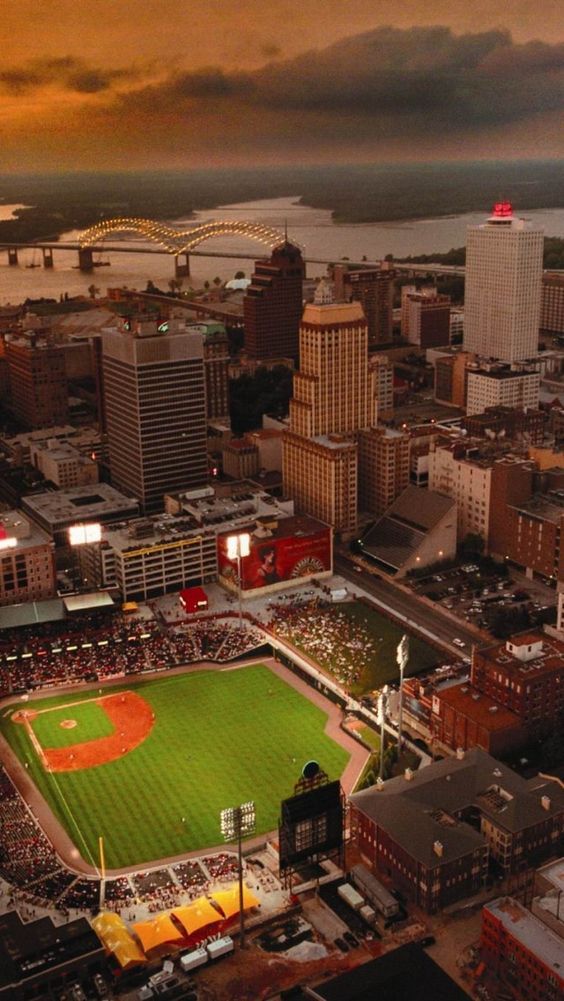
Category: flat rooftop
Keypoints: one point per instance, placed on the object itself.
(480, 708)
(87, 503)
(550, 659)
(530, 932)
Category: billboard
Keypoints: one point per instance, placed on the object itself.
(282, 557)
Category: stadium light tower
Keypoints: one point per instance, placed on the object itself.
(402, 657)
(237, 823)
(382, 708)
(239, 546)
(83, 535)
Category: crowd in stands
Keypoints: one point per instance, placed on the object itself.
(339, 643)
(223, 867)
(215, 641)
(92, 650)
(25, 853)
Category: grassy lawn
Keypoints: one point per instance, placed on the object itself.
(372, 663)
(220, 738)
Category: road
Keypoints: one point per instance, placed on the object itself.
(407, 606)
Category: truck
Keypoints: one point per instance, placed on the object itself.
(220, 947)
(350, 896)
(374, 891)
(192, 960)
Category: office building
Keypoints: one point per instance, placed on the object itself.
(27, 561)
(272, 305)
(500, 385)
(425, 316)
(451, 378)
(334, 396)
(459, 470)
(37, 377)
(334, 390)
(154, 386)
(55, 511)
(552, 303)
(216, 367)
(320, 475)
(511, 423)
(383, 468)
(63, 464)
(374, 289)
(383, 370)
(503, 287)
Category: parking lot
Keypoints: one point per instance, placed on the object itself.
(476, 592)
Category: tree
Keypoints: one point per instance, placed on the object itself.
(239, 275)
(472, 545)
(93, 291)
(217, 281)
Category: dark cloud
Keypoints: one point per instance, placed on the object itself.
(426, 72)
(68, 72)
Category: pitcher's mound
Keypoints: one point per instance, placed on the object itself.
(68, 724)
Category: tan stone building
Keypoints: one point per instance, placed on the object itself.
(27, 561)
(334, 397)
(320, 474)
(63, 464)
(466, 477)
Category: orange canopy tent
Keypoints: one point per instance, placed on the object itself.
(117, 939)
(228, 900)
(197, 915)
(159, 931)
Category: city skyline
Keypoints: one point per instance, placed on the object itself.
(209, 86)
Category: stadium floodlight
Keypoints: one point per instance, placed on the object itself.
(238, 822)
(9, 542)
(82, 535)
(402, 657)
(239, 546)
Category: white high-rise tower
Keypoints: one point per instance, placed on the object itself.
(503, 287)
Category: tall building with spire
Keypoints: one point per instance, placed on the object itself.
(334, 397)
(155, 403)
(273, 304)
(502, 300)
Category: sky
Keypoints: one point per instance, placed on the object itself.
(133, 84)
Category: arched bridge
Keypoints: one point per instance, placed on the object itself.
(177, 241)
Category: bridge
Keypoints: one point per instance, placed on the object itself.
(181, 244)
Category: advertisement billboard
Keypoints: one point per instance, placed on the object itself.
(289, 554)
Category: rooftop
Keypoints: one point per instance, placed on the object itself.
(529, 931)
(79, 504)
(480, 708)
(549, 659)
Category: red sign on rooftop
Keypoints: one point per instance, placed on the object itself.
(502, 210)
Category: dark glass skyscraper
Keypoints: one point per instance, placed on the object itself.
(273, 304)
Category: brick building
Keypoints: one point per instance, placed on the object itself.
(425, 317)
(383, 468)
(374, 289)
(432, 832)
(451, 378)
(464, 717)
(523, 953)
(525, 675)
(27, 561)
(38, 382)
(508, 422)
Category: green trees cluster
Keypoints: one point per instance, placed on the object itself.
(268, 391)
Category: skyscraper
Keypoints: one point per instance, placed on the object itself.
(334, 396)
(273, 304)
(154, 387)
(374, 289)
(37, 378)
(503, 287)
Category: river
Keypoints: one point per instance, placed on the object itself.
(312, 228)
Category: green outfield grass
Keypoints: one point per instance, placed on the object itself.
(219, 738)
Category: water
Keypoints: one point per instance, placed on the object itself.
(312, 228)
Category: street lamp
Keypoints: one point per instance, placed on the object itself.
(239, 546)
(237, 823)
(402, 657)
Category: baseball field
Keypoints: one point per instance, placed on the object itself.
(150, 765)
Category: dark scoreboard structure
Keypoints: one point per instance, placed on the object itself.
(312, 823)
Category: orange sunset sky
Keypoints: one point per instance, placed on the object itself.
(129, 84)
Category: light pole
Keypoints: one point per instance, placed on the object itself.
(83, 535)
(382, 706)
(236, 823)
(239, 546)
(402, 657)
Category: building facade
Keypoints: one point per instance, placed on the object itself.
(155, 402)
(27, 561)
(501, 386)
(320, 474)
(374, 289)
(383, 468)
(552, 304)
(522, 952)
(63, 465)
(38, 381)
(503, 287)
(455, 469)
(273, 304)
(426, 318)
